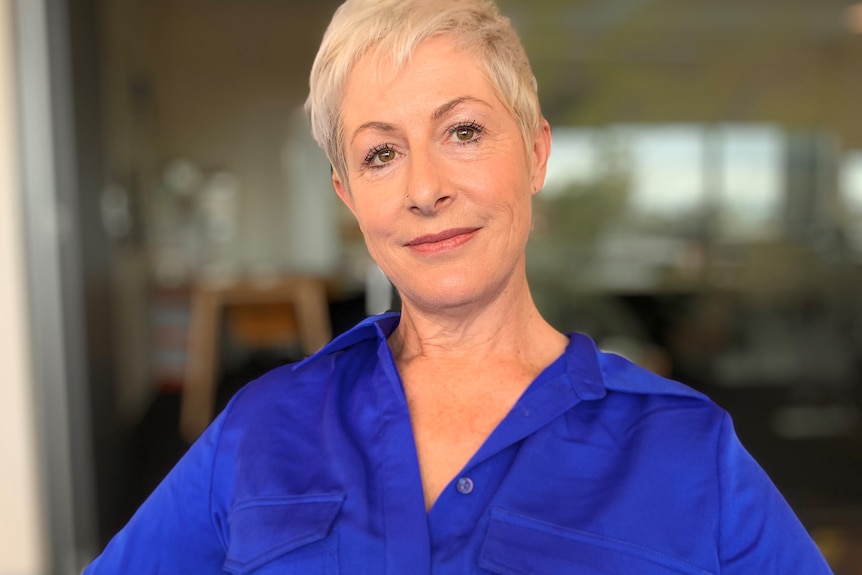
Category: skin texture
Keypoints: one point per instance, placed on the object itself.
(441, 181)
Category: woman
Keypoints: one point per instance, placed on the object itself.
(465, 434)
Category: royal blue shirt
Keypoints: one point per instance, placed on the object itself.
(600, 468)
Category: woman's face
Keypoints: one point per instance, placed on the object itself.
(438, 176)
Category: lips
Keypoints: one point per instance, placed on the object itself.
(441, 237)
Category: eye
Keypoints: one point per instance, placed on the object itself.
(466, 132)
(384, 156)
(381, 154)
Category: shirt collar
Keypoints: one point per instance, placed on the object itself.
(582, 355)
(374, 327)
(583, 367)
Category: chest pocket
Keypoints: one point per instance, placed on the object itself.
(519, 545)
(284, 535)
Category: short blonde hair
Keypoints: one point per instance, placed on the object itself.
(395, 28)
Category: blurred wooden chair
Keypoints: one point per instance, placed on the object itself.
(278, 311)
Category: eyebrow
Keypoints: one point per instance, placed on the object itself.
(436, 115)
(449, 106)
(380, 126)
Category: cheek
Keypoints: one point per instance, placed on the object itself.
(375, 224)
(512, 195)
(377, 206)
(506, 176)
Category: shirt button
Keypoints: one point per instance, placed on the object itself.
(464, 485)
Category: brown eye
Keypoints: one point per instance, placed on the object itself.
(465, 134)
(382, 154)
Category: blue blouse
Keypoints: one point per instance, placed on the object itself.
(600, 468)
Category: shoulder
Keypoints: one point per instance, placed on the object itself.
(295, 387)
(660, 398)
(623, 376)
(633, 404)
(597, 374)
(305, 386)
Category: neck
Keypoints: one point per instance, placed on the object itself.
(508, 327)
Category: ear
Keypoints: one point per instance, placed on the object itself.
(342, 191)
(540, 153)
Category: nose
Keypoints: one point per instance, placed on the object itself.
(427, 189)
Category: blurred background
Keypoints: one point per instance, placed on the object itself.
(169, 232)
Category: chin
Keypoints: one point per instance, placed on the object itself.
(447, 294)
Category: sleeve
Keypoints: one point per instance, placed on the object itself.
(758, 532)
(176, 530)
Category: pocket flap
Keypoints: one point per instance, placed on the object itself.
(520, 545)
(264, 528)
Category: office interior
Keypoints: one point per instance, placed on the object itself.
(178, 234)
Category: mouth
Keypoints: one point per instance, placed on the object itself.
(442, 241)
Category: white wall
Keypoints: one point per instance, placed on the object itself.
(22, 549)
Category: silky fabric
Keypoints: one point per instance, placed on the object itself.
(601, 468)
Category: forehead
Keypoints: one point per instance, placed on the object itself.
(438, 70)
